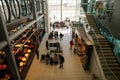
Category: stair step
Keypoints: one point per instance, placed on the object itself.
(104, 51)
(100, 53)
(109, 61)
(107, 58)
(111, 77)
(111, 69)
(104, 43)
(118, 76)
(105, 48)
(113, 65)
(115, 72)
(109, 50)
(115, 68)
(109, 54)
(103, 39)
(99, 41)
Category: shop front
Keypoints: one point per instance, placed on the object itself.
(84, 48)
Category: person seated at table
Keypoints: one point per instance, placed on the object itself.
(51, 61)
(58, 46)
(61, 61)
(50, 35)
(55, 59)
(56, 34)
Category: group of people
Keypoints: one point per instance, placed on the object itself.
(56, 44)
(55, 59)
(56, 35)
(81, 47)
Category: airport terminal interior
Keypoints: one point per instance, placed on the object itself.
(59, 40)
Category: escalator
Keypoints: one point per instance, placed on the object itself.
(104, 48)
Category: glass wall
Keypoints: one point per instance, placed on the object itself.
(69, 9)
(54, 10)
(59, 10)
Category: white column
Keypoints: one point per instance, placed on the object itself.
(47, 23)
(61, 10)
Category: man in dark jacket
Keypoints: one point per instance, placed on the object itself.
(47, 58)
(37, 54)
(61, 61)
(47, 44)
(61, 36)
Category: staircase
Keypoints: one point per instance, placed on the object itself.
(92, 23)
(105, 52)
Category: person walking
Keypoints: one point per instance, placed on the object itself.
(71, 44)
(47, 44)
(75, 50)
(61, 36)
(61, 61)
(37, 54)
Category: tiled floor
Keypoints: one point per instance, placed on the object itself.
(72, 70)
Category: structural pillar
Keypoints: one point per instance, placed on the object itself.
(61, 10)
(47, 23)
